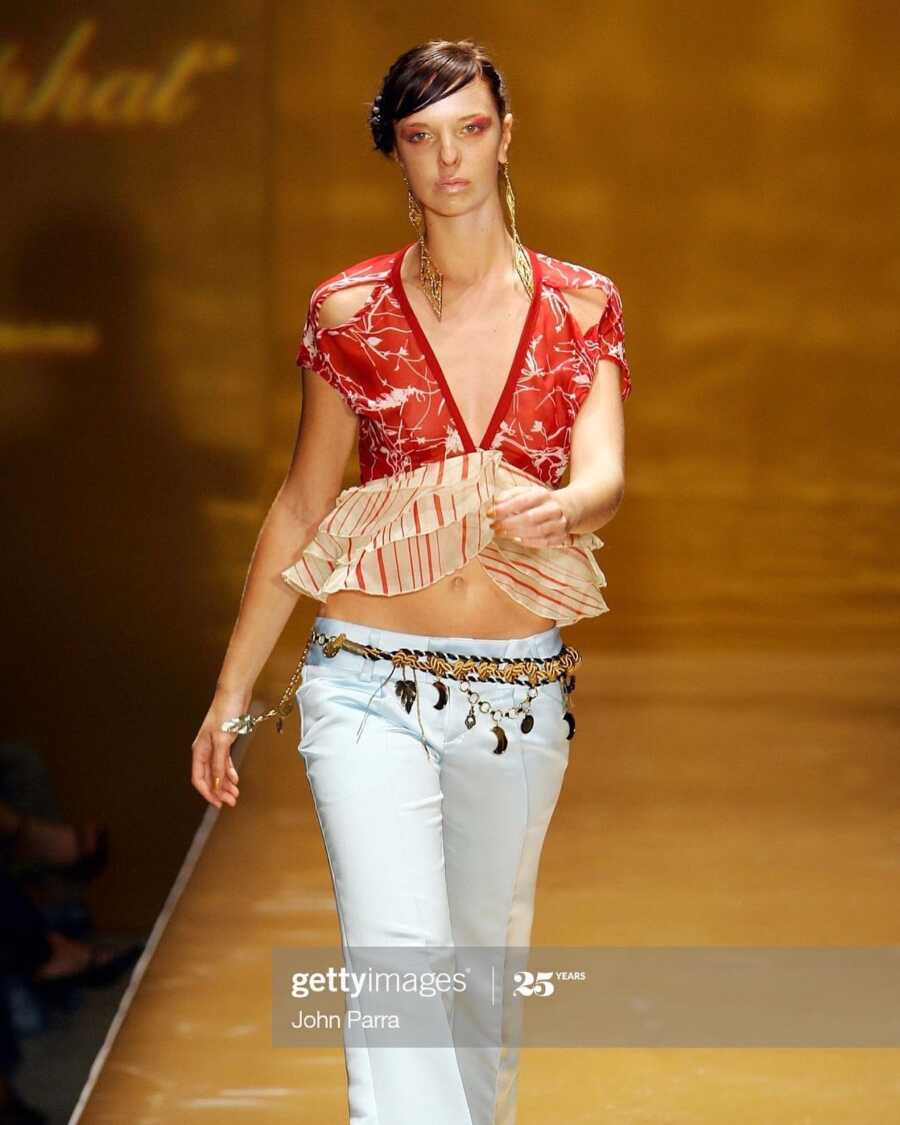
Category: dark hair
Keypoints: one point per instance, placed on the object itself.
(425, 74)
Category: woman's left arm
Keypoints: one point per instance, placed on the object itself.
(546, 517)
(597, 459)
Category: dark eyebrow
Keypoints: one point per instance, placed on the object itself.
(480, 113)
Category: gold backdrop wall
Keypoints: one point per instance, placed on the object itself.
(731, 169)
(133, 358)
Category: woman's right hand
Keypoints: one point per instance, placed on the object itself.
(211, 751)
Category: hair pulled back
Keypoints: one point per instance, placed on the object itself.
(425, 74)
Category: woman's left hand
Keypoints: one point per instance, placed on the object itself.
(532, 515)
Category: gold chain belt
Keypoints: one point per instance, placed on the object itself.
(464, 669)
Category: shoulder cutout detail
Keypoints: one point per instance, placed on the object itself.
(595, 306)
(587, 306)
(329, 345)
(342, 306)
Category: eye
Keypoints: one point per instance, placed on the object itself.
(475, 126)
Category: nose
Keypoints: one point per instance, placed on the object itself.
(449, 155)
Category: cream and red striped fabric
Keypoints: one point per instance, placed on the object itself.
(405, 531)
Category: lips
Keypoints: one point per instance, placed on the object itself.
(452, 183)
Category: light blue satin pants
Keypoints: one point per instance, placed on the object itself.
(436, 848)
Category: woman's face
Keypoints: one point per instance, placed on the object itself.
(458, 137)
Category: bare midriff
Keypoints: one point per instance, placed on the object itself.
(467, 603)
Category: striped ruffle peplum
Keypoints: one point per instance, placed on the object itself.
(406, 531)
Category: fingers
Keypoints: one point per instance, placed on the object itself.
(534, 527)
(512, 501)
(227, 793)
(533, 517)
(212, 771)
(224, 776)
(547, 541)
(227, 788)
(200, 774)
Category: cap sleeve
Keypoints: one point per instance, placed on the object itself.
(606, 337)
(332, 353)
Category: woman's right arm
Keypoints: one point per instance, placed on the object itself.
(325, 437)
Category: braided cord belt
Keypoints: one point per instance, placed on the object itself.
(466, 669)
(491, 669)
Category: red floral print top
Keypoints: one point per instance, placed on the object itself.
(420, 512)
(381, 362)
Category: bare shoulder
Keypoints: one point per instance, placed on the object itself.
(587, 291)
(340, 298)
(587, 305)
(343, 305)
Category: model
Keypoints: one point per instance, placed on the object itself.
(435, 688)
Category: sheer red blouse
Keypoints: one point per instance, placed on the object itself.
(420, 511)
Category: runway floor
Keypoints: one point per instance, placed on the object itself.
(712, 798)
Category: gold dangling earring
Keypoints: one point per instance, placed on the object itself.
(521, 259)
(431, 279)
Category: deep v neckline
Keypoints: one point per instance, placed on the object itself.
(436, 370)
